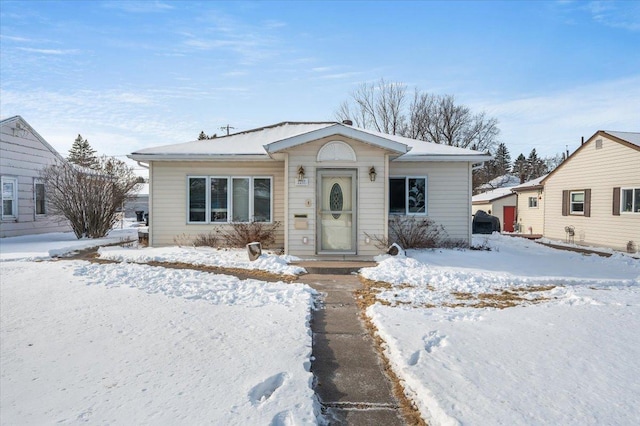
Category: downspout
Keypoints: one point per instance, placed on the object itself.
(469, 207)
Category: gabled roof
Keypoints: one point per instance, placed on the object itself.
(259, 144)
(532, 184)
(17, 120)
(629, 139)
(493, 195)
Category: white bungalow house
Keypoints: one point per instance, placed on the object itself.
(23, 153)
(596, 192)
(331, 186)
(499, 202)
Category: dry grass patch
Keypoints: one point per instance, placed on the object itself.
(407, 407)
(505, 299)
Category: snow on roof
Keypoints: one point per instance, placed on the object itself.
(631, 137)
(501, 182)
(492, 195)
(531, 183)
(253, 143)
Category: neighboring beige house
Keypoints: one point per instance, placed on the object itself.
(597, 192)
(499, 202)
(530, 207)
(331, 186)
(23, 153)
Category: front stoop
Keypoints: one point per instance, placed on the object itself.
(323, 267)
(349, 379)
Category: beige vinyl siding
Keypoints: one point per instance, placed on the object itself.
(448, 193)
(531, 220)
(600, 170)
(22, 157)
(168, 195)
(370, 195)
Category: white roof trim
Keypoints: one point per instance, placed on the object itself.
(337, 129)
(435, 157)
(199, 157)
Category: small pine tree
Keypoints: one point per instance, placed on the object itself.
(502, 160)
(520, 168)
(82, 154)
(535, 165)
(202, 136)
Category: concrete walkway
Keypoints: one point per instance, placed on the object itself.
(350, 382)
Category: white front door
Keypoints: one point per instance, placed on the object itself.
(337, 211)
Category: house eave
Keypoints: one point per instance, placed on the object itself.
(448, 158)
(146, 158)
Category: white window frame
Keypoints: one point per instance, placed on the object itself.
(37, 182)
(406, 196)
(571, 203)
(13, 197)
(535, 199)
(229, 198)
(635, 208)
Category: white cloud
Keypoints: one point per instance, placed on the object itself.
(49, 51)
(552, 121)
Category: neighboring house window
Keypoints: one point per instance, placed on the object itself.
(533, 202)
(630, 200)
(9, 197)
(576, 205)
(39, 198)
(229, 199)
(408, 195)
(576, 202)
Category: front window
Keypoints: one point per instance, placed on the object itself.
(533, 202)
(408, 195)
(39, 198)
(9, 197)
(577, 202)
(229, 199)
(630, 200)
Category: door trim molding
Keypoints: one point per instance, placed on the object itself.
(337, 172)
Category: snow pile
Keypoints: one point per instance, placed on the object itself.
(44, 246)
(430, 277)
(570, 360)
(205, 256)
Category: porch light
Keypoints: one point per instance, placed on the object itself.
(300, 173)
(372, 174)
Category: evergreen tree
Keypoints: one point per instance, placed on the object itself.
(502, 160)
(535, 165)
(520, 168)
(202, 136)
(82, 154)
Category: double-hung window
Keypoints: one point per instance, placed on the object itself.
(630, 200)
(408, 195)
(576, 203)
(533, 202)
(215, 199)
(9, 197)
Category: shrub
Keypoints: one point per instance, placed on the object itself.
(410, 232)
(241, 234)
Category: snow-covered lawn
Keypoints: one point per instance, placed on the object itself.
(564, 355)
(131, 343)
(136, 344)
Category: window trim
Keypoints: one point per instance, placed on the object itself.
(571, 203)
(536, 202)
(230, 206)
(14, 197)
(635, 209)
(406, 195)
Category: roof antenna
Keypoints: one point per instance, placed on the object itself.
(227, 127)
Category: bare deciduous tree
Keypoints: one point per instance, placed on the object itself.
(429, 117)
(88, 198)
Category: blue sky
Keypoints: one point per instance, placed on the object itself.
(129, 75)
